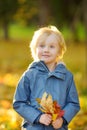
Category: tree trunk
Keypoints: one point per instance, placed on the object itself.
(43, 12)
(5, 30)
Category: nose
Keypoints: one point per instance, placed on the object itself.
(46, 49)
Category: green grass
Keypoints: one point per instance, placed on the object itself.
(20, 31)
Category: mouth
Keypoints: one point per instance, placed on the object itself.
(45, 56)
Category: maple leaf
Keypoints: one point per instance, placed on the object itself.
(57, 109)
(47, 105)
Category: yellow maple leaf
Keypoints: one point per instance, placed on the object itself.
(54, 117)
(46, 103)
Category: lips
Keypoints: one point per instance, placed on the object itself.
(45, 55)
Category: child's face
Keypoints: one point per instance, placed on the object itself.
(48, 50)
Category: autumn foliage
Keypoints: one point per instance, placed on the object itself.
(47, 105)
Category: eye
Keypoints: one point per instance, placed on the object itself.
(41, 45)
(51, 46)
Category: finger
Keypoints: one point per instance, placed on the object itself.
(49, 116)
(47, 123)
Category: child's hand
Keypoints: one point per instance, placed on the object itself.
(45, 119)
(57, 123)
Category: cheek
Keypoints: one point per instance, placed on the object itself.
(38, 52)
(57, 52)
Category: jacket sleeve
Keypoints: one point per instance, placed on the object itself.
(21, 101)
(72, 102)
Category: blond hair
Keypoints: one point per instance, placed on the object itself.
(41, 34)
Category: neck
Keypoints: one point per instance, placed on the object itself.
(51, 67)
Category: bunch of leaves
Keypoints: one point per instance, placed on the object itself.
(48, 106)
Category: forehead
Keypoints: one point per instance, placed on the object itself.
(48, 38)
(51, 39)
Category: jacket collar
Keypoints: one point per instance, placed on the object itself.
(59, 71)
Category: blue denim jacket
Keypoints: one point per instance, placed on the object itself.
(36, 80)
